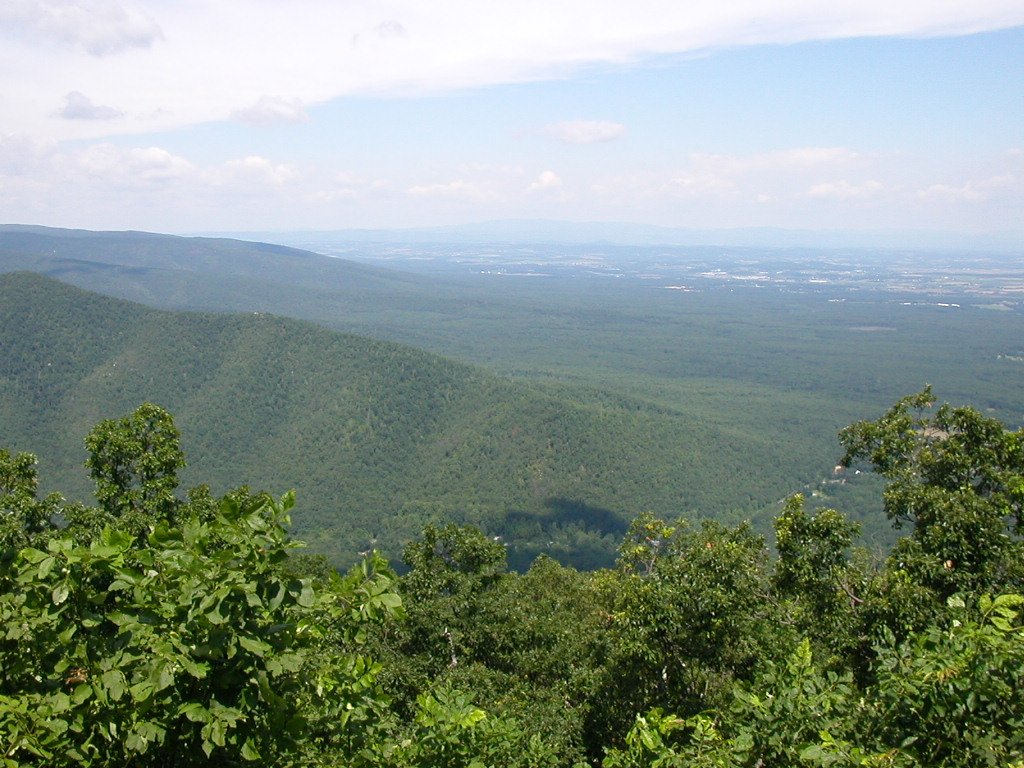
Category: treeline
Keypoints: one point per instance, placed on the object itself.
(155, 628)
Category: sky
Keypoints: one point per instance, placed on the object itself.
(243, 115)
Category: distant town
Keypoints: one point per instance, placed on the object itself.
(991, 281)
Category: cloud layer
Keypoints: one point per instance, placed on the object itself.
(586, 131)
(78, 106)
(98, 27)
(170, 65)
(224, 114)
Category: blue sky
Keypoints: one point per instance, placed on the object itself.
(257, 115)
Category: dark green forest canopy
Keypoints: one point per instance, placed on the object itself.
(165, 626)
(377, 438)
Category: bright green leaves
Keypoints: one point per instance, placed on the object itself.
(452, 560)
(192, 645)
(956, 689)
(60, 594)
(1002, 612)
(947, 696)
(115, 683)
(812, 550)
(449, 730)
(159, 632)
(814, 574)
(956, 476)
(691, 615)
(659, 740)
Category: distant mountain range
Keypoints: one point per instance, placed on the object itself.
(513, 231)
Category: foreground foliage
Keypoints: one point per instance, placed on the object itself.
(159, 629)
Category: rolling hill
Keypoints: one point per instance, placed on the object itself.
(745, 385)
(377, 438)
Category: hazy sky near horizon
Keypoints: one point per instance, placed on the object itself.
(262, 115)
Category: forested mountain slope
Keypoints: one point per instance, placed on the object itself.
(223, 275)
(757, 379)
(377, 438)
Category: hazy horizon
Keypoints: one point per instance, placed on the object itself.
(851, 118)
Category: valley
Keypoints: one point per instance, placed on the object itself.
(589, 399)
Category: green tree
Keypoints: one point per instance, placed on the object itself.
(660, 740)
(134, 462)
(814, 573)
(452, 572)
(957, 478)
(156, 631)
(23, 516)
(950, 695)
(193, 647)
(448, 730)
(693, 619)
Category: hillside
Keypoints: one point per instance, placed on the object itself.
(223, 275)
(376, 437)
(761, 379)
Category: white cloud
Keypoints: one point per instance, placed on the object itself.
(218, 57)
(390, 28)
(697, 183)
(586, 131)
(272, 109)
(796, 159)
(546, 180)
(78, 106)
(761, 173)
(808, 156)
(968, 192)
(844, 190)
(145, 166)
(457, 189)
(973, 190)
(22, 155)
(99, 27)
(255, 170)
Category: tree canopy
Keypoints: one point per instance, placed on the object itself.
(165, 628)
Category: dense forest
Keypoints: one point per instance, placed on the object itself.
(162, 627)
(740, 388)
(525, 539)
(378, 439)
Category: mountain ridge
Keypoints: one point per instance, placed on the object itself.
(552, 231)
(378, 438)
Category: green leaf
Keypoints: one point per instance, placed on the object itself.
(195, 712)
(115, 684)
(1001, 624)
(215, 617)
(1008, 601)
(812, 752)
(141, 692)
(60, 594)
(82, 693)
(46, 566)
(249, 752)
(256, 647)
